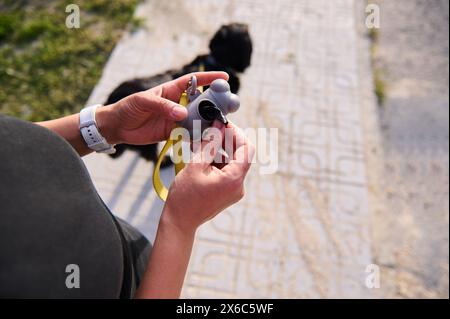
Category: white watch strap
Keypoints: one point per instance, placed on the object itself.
(89, 130)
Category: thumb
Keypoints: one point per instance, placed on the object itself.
(167, 108)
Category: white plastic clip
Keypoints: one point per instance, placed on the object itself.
(192, 91)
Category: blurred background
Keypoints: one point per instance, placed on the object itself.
(363, 133)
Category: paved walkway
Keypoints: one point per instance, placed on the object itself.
(413, 238)
(303, 231)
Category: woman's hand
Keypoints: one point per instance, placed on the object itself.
(202, 189)
(142, 118)
(149, 116)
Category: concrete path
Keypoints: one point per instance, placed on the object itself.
(303, 231)
(412, 232)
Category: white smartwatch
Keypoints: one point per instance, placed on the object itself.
(90, 132)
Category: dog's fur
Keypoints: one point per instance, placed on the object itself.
(230, 51)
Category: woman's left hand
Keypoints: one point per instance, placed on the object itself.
(149, 116)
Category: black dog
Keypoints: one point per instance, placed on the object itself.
(230, 51)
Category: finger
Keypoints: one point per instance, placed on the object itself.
(147, 101)
(211, 143)
(203, 78)
(172, 90)
(242, 156)
(239, 136)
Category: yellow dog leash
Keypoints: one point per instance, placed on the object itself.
(160, 189)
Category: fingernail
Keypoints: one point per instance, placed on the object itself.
(222, 152)
(205, 134)
(179, 112)
(209, 134)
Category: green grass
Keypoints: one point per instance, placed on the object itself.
(48, 70)
(380, 87)
(373, 36)
(378, 78)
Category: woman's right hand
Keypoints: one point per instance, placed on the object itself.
(199, 192)
(202, 189)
